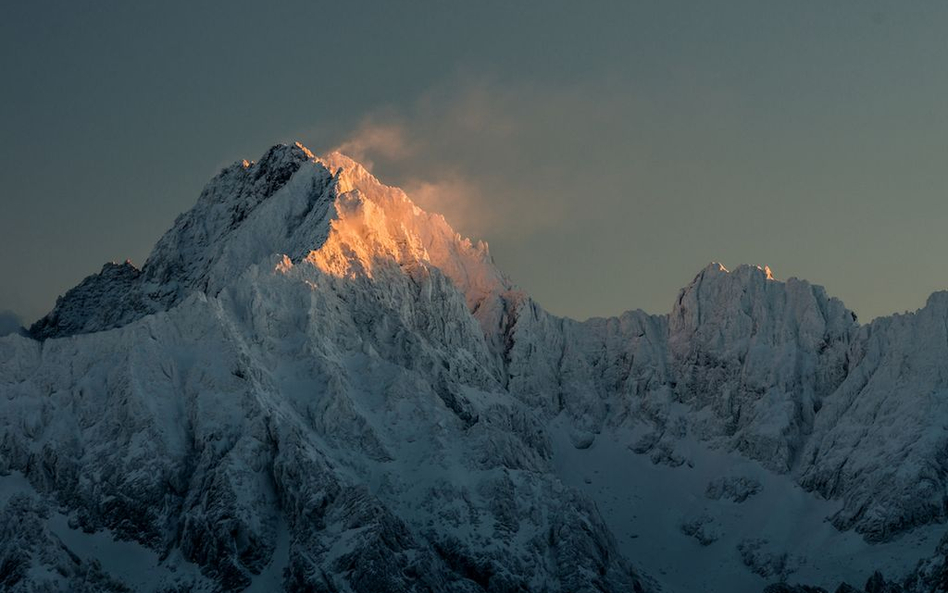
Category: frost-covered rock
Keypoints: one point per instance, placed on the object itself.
(785, 588)
(876, 583)
(879, 443)
(312, 384)
(734, 488)
(303, 376)
(702, 528)
(111, 298)
(756, 358)
(33, 560)
(931, 574)
(767, 560)
(247, 212)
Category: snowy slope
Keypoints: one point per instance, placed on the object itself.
(313, 384)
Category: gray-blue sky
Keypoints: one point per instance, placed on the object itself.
(606, 151)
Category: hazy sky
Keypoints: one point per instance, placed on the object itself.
(606, 151)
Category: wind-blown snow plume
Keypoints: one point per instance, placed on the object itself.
(371, 140)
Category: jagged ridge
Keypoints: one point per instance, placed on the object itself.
(251, 354)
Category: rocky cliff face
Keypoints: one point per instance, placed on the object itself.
(757, 357)
(301, 364)
(880, 443)
(311, 384)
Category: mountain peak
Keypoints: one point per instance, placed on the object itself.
(715, 268)
(349, 173)
(748, 298)
(282, 156)
(374, 220)
(309, 154)
(329, 210)
(755, 269)
(335, 160)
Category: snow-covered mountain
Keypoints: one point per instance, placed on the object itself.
(313, 385)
